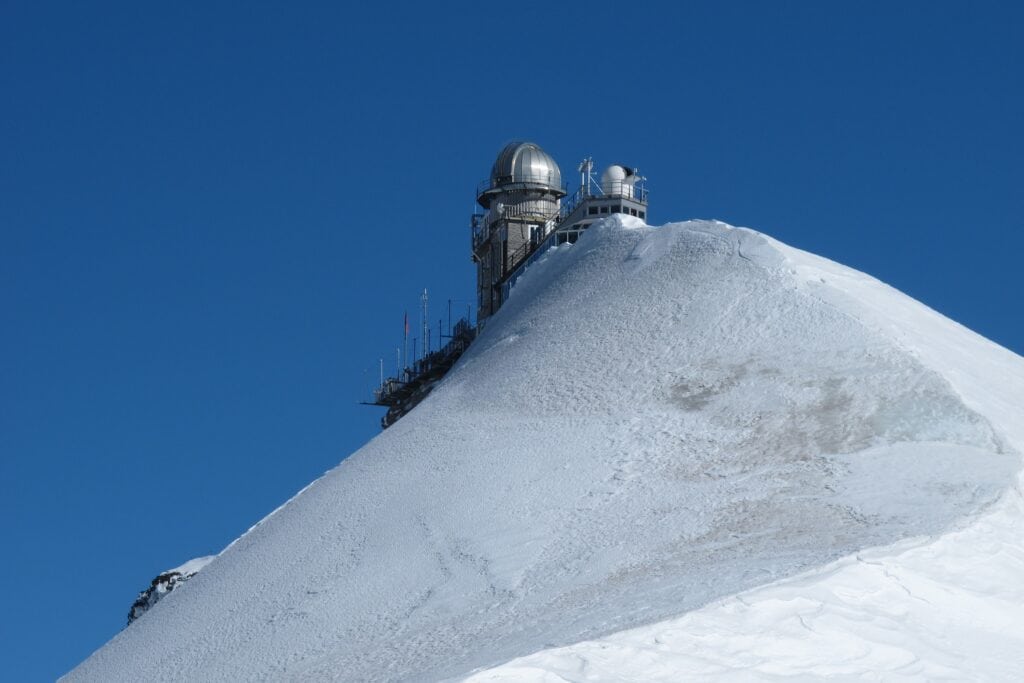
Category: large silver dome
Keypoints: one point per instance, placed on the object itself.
(525, 162)
(522, 165)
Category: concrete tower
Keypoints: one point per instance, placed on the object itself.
(522, 200)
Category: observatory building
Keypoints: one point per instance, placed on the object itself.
(526, 209)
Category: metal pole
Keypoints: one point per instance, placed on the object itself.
(426, 326)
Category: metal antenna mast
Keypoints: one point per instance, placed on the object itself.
(426, 325)
(586, 169)
(406, 338)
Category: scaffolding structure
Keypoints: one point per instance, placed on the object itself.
(402, 393)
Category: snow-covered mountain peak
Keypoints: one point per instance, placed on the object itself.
(657, 419)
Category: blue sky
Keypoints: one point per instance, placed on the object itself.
(213, 218)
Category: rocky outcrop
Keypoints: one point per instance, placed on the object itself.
(164, 584)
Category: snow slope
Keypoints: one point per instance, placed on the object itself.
(947, 606)
(657, 420)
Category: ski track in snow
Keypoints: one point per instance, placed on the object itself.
(677, 452)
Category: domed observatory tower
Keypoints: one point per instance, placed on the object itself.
(522, 199)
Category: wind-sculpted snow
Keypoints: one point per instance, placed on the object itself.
(657, 419)
(945, 607)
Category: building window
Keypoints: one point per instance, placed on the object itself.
(632, 212)
(604, 209)
(592, 211)
(643, 214)
(616, 209)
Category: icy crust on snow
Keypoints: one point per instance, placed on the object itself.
(656, 420)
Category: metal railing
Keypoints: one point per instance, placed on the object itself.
(480, 224)
(617, 188)
(517, 258)
(479, 229)
(570, 203)
(635, 190)
(620, 188)
(530, 253)
(539, 181)
(394, 391)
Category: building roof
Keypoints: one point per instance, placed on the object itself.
(522, 165)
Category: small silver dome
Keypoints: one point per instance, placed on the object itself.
(522, 165)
